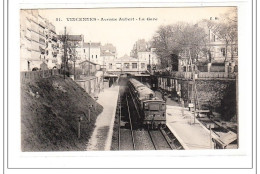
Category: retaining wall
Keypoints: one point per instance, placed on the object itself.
(218, 95)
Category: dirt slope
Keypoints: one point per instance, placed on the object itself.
(49, 115)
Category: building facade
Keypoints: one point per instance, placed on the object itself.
(108, 54)
(34, 41)
(149, 57)
(90, 51)
(143, 51)
(89, 68)
(126, 64)
(216, 50)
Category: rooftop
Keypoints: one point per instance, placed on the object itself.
(104, 53)
(86, 61)
(92, 44)
(109, 47)
(72, 37)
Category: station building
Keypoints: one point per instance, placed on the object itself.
(126, 64)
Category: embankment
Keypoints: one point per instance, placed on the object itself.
(50, 110)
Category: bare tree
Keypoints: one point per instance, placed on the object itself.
(226, 30)
(162, 42)
(173, 39)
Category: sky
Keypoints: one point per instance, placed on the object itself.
(123, 34)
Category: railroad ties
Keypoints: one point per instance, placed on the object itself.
(132, 136)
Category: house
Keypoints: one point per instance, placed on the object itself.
(89, 67)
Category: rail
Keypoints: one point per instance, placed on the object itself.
(119, 121)
(130, 122)
(163, 142)
(167, 139)
(199, 75)
(151, 138)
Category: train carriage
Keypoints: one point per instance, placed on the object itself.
(151, 110)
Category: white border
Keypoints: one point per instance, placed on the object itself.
(175, 159)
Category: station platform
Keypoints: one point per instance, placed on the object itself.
(102, 135)
(191, 135)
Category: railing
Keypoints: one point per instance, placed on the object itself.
(199, 75)
(33, 75)
(212, 75)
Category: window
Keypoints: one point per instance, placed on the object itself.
(213, 37)
(29, 65)
(126, 65)
(110, 66)
(84, 50)
(118, 65)
(223, 51)
(134, 65)
(96, 56)
(142, 65)
(154, 107)
(235, 51)
(92, 56)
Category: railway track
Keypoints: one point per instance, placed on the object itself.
(132, 137)
(172, 140)
(160, 140)
(130, 122)
(126, 140)
(119, 119)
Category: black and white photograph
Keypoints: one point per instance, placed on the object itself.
(91, 86)
(129, 79)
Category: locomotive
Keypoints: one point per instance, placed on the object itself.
(150, 108)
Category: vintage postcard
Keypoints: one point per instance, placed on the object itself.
(127, 79)
(129, 85)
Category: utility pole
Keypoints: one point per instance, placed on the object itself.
(193, 87)
(74, 61)
(210, 136)
(137, 58)
(65, 52)
(149, 63)
(89, 59)
(103, 72)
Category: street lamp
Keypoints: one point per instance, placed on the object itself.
(79, 119)
(96, 98)
(89, 107)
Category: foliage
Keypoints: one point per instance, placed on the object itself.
(173, 39)
(225, 29)
(193, 39)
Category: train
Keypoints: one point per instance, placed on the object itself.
(151, 109)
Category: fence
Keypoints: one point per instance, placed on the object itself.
(203, 68)
(185, 75)
(216, 68)
(33, 75)
(90, 85)
(189, 75)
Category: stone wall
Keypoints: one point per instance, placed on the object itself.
(218, 95)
